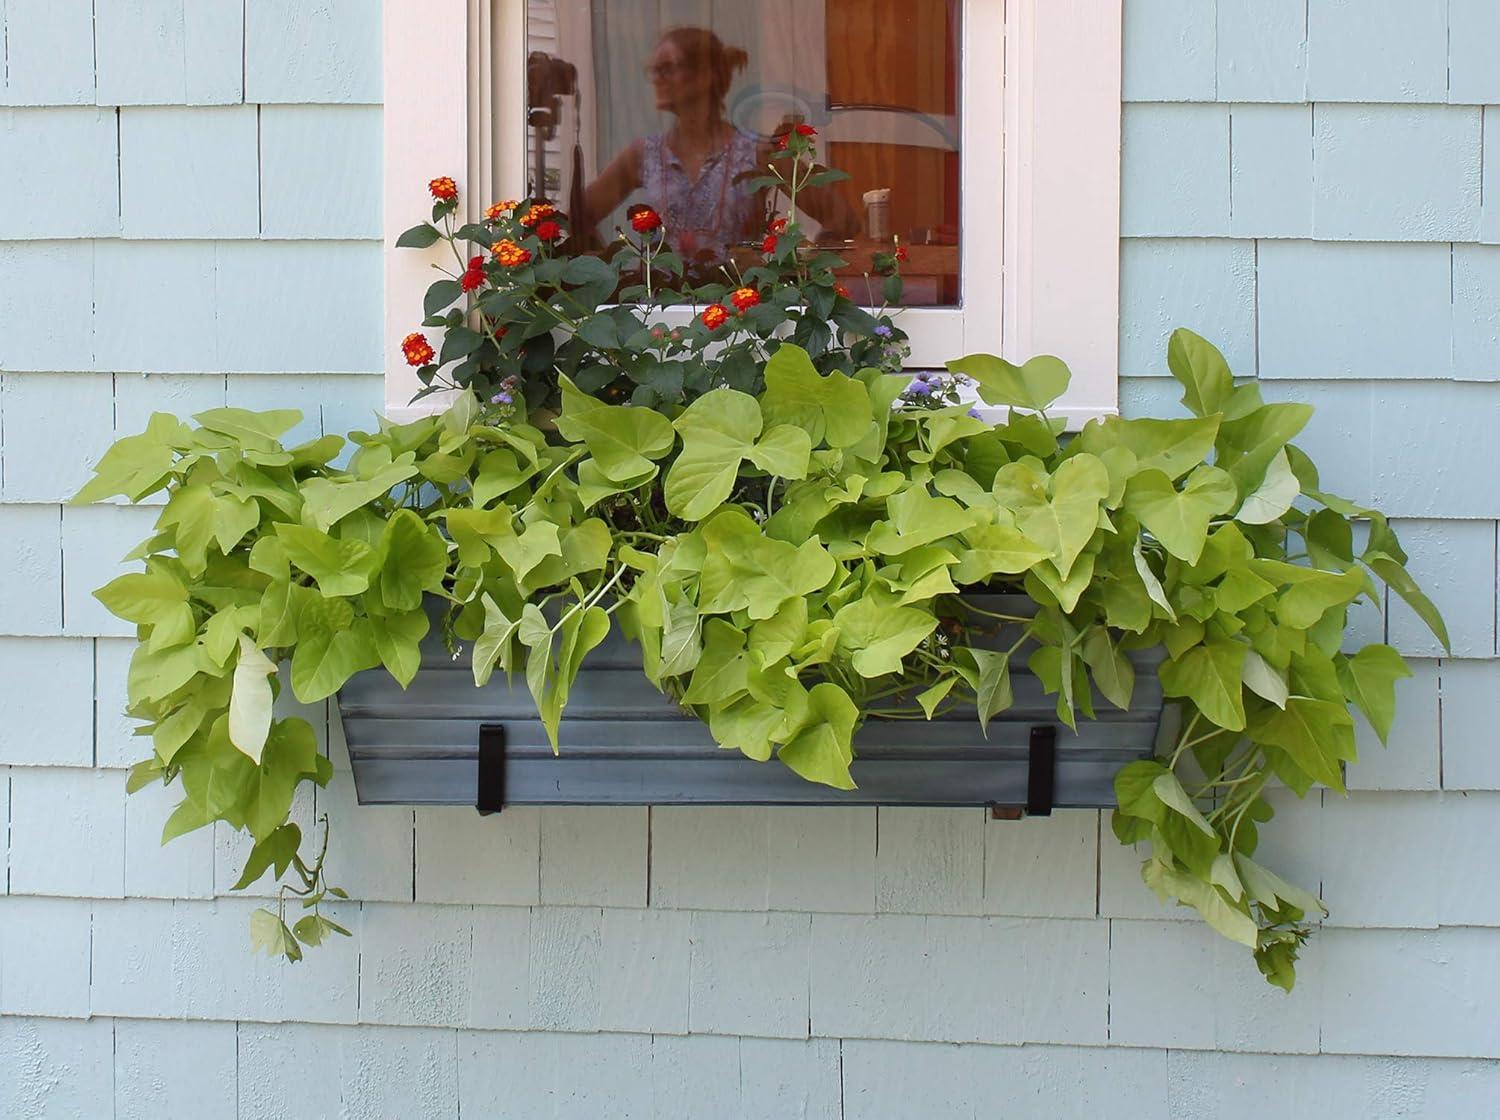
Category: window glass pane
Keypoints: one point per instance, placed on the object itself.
(673, 103)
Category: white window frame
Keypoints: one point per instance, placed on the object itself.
(1040, 256)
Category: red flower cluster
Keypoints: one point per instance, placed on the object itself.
(777, 226)
(509, 254)
(806, 131)
(714, 316)
(840, 290)
(901, 253)
(497, 211)
(643, 219)
(744, 299)
(417, 349)
(548, 230)
(443, 188)
(536, 213)
(473, 276)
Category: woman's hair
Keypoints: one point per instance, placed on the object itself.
(700, 47)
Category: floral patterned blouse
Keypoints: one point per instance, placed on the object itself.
(704, 216)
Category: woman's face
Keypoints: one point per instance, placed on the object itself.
(676, 82)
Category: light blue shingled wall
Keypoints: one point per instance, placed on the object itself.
(189, 215)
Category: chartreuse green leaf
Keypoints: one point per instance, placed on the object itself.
(917, 518)
(776, 637)
(624, 440)
(718, 432)
(784, 451)
(290, 756)
(747, 725)
(500, 472)
(720, 675)
(1275, 495)
(593, 487)
(878, 636)
(1312, 594)
(525, 553)
(332, 646)
(398, 642)
(494, 646)
(1059, 513)
(1211, 675)
(1173, 447)
(1170, 793)
(1269, 889)
(1034, 385)
(743, 569)
(250, 700)
(823, 749)
(1210, 902)
(1202, 370)
(580, 632)
(327, 501)
(412, 558)
(828, 407)
(1263, 680)
(269, 932)
(1248, 445)
(340, 567)
(1317, 735)
(155, 599)
(259, 431)
(930, 698)
(1135, 789)
(1180, 519)
(137, 466)
(987, 672)
(275, 853)
(1113, 673)
(995, 550)
(1369, 681)
(1398, 579)
(156, 674)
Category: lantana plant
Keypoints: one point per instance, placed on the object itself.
(520, 311)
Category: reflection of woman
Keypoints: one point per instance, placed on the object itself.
(692, 173)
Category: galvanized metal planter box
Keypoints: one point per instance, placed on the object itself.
(444, 742)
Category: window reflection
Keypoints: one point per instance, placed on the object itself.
(677, 104)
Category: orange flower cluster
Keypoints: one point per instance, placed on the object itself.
(443, 188)
(536, 212)
(744, 299)
(498, 210)
(417, 349)
(509, 254)
(714, 316)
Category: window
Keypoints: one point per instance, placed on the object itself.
(629, 103)
(982, 133)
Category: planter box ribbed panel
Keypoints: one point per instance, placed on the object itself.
(624, 743)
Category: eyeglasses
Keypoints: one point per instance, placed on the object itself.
(659, 71)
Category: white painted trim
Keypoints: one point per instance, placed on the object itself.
(1062, 193)
(426, 134)
(1041, 253)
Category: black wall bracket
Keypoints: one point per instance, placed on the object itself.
(490, 794)
(1041, 774)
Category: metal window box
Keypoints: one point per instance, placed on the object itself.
(443, 741)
